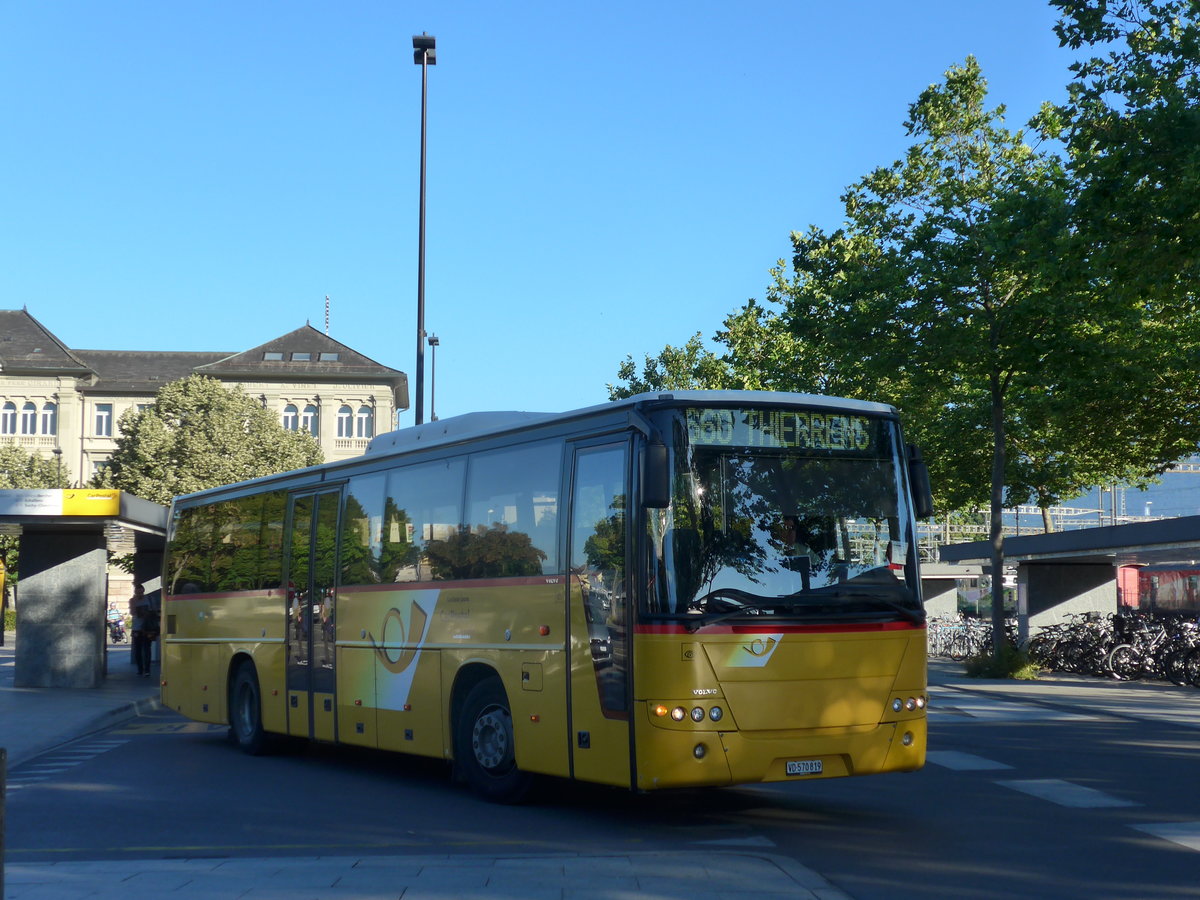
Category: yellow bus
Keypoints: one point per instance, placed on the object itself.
(677, 589)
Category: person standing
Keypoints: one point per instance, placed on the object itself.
(139, 609)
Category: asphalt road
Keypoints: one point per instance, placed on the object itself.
(1019, 800)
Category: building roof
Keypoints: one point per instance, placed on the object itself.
(140, 372)
(27, 346)
(304, 350)
(303, 355)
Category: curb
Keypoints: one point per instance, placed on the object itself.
(99, 722)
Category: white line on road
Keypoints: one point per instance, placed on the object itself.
(1064, 793)
(1186, 834)
(962, 762)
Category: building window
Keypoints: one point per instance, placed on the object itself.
(309, 420)
(29, 418)
(273, 356)
(8, 418)
(345, 422)
(301, 357)
(104, 420)
(291, 417)
(364, 425)
(327, 357)
(50, 418)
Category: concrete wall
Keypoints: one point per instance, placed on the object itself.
(1049, 592)
(60, 616)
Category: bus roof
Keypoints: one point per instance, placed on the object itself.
(479, 424)
(469, 426)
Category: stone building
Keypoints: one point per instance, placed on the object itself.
(66, 403)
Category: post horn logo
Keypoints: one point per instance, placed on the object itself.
(405, 656)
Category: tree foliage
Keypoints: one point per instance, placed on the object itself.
(199, 434)
(689, 367)
(20, 469)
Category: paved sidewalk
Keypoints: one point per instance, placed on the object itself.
(33, 720)
(681, 876)
(1094, 695)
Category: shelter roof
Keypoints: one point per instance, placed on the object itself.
(1157, 542)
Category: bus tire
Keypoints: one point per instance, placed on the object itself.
(484, 749)
(245, 712)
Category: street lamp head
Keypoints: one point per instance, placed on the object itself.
(424, 49)
(433, 340)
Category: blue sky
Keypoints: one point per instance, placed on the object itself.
(603, 179)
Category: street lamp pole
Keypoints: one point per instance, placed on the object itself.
(424, 55)
(433, 345)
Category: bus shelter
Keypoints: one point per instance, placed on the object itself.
(1087, 570)
(67, 537)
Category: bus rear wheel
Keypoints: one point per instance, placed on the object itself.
(245, 712)
(484, 747)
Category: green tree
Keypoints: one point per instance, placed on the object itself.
(199, 434)
(1131, 128)
(21, 470)
(689, 367)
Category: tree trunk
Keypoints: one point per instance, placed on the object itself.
(1047, 521)
(997, 523)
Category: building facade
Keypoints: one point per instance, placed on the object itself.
(66, 404)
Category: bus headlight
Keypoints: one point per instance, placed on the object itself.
(897, 705)
(716, 713)
(911, 704)
(697, 714)
(678, 713)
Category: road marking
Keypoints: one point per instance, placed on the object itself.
(740, 842)
(948, 706)
(1186, 834)
(962, 762)
(1065, 793)
(170, 728)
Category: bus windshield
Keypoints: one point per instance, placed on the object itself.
(791, 513)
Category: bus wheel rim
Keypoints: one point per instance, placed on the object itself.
(491, 738)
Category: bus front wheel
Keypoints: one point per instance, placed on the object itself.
(245, 712)
(485, 751)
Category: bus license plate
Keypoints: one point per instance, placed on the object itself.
(804, 767)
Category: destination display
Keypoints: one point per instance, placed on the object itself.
(806, 430)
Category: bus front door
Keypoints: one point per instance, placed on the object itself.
(599, 615)
(311, 546)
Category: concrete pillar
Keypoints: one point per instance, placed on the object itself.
(60, 616)
(1052, 591)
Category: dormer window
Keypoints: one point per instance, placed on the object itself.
(327, 357)
(301, 357)
(273, 356)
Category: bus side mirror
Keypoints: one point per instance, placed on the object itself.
(656, 476)
(918, 479)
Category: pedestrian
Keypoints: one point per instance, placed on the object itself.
(143, 623)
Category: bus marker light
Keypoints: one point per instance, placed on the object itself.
(715, 713)
(699, 751)
(660, 710)
(535, 718)
(203, 687)
(358, 703)
(408, 707)
(678, 713)
(697, 714)
(544, 630)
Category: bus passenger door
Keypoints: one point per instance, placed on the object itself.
(599, 615)
(310, 548)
